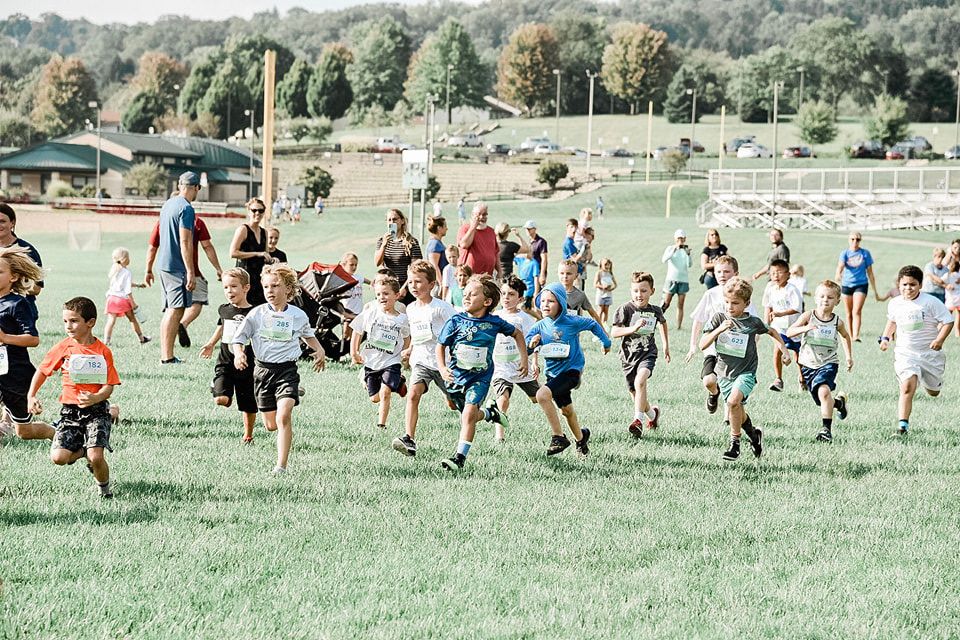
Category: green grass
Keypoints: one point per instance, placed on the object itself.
(654, 538)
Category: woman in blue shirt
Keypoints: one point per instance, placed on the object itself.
(435, 249)
(855, 273)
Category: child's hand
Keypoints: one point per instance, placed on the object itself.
(666, 355)
(535, 370)
(535, 342)
(206, 350)
(606, 350)
(849, 364)
(85, 399)
(319, 360)
(884, 345)
(446, 374)
(785, 357)
(357, 358)
(726, 325)
(936, 345)
(522, 370)
(34, 406)
(405, 354)
(240, 361)
(690, 355)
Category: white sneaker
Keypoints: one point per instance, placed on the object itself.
(279, 471)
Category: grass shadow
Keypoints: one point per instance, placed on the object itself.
(88, 516)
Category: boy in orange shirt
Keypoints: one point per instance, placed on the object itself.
(88, 376)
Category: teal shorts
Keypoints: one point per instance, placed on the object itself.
(745, 382)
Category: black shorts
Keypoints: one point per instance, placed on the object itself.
(273, 381)
(630, 369)
(16, 404)
(857, 288)
(503, 387)
(227, 381)
(562, 385)
(709, 366)
(376, 378)
(83, 427)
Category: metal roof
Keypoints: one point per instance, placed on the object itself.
(216, 153)
(142, 143)
(59, 156)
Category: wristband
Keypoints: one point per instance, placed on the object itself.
(882, 339)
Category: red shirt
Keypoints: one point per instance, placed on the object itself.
(484, 253)
(200, 234)
(99, 363)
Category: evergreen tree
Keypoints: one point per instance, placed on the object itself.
(292, 90)
(329, 94)
(146, 108)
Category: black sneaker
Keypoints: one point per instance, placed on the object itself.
(713, 401)
(825, 435)
(382, 427)
(455, 463)
(755, 436)
(183, 337)
(733, 451)
(636, 429)
(582, 447)
(105, 491)
(777, 385)
(840, 404)
(557, 445)
(405, 445)
(173, 360)
(498, 416)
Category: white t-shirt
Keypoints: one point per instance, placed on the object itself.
(800, 283)
(918, 322)
(953, 295)
(710, 305)
(121, 284)
(781, 299)
(506, 357)
(385, 336)
(449, 279)
(353, 302)
(274, 335)
(426, 321)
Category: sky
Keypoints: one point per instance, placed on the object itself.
(125, 11)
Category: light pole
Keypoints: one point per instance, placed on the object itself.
(556, 72)
(176, 88)
(777, 86)
(591, 75)
(93, 104)
(449, 109)
(249, 112)
(800, 70)
(956, 131)
(693, 129)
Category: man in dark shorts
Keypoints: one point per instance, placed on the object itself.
(538, 251)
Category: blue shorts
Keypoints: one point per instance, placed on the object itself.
(814, 378)
(474, 392)
(677, 288)
(855, 288)
(793, 345)
(745, 382)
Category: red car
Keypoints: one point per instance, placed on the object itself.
(798, 152)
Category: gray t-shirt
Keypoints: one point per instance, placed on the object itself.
(642, 344)
(577, 301)
(736, 347)
(779, 252)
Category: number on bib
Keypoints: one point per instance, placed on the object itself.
(506, 351)
(555, 350)
(383, 338)
(229, 330)
(277, 327)
(469, 357)
(824, 335)
(646, 325)
(732, 343)
(912, 320)
(87, 369)
(421, 332)
(4, 361)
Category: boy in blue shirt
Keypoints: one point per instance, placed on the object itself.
(527, 269)
(470, 337)
(556, 337)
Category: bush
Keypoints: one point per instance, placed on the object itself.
(147, 178)
(888, 121)
(817, 122)
(59, 189)
(674, 161)
(433, 188)
(551, 172)
(318, 181)
(90, 191)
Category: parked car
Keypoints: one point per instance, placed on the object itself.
(532, 143)
(953, 153)
(736, 143)
(697, 147)
(575, 152)
(753, 150)
(391, 144)
(468, 139)
(920, 143)
(798, 152)
(868, 149)
(498, 149)
(900, 152)
(546, 149)
(619, 152)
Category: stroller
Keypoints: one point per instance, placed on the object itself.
(322, 288)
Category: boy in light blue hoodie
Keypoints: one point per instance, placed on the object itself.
(557, 339)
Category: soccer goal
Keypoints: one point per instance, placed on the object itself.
(83, 235)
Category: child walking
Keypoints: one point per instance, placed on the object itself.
(605, 282)
(557, 336)
(636, 322)
(88, 377)
(470, 337)
(782, 305)
(120, 302)
(820, 331)
(227, 379)
(920, 323)
(274, 330)
(387, 336)
(733, 332)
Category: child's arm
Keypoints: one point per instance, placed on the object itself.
(405, 352)
(597, 283)
(942, 335)
(696, 330)
(24, 340)
(768, 314)
(522, 349)
(33, 404)
(888, 333)
(319, 355)
(847, 343)
(709, 338)
(442, 367)
(593, 314)
(799, 327)
(207, 350)
(614, 284)
(784, 354)
(619, 331)
(355, 347)
(87, 399)
(597, 329)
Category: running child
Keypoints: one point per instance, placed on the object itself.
(782, 305)
(463, 275)
(506, 356)
(920, 323)
(274, 330)
(557, 336)
(952, 287)
(387, 334)
(448, 277)
(820, 331)
(576, 299)
(120, 302)
(733, 331)
(227, 379)
(798, 279)
(470, 337)
(636, 322)
(427, 315)
(605, 282)
(88, 377)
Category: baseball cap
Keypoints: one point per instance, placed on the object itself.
(530, 224)
(189, 178)
(679, 233)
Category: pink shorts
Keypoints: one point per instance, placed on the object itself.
(118, 306)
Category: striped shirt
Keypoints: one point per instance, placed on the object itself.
(395, 256)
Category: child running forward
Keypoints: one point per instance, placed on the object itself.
(733, 332)
(636, 322)
(604, 283)
(782, 305)
(427, 315)
(557, 337)
(920, 323)
(820, 331)
(470, 338)
(88, 377)
(274, 330)
(388, 334)
(227, 379)
(576, 299)
(120, 302)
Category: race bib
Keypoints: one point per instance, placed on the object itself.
(277, 327)
(4, 361)
(646, 325)
(505, 351)
(421, 332)
(911, 320)
(469, 357)
(383, 338)
(229, 330)
(87, 369)
(732, 343)
(823, 335)
(555, 350)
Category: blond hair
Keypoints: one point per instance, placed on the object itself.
(425, 269)
(237, 272)
(739, 288)
(288, 277)
(22, 265)
(118, 256)
(830, 284)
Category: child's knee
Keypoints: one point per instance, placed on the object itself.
(95, 455)
(61, 456)
(544, 394)
(222, 401)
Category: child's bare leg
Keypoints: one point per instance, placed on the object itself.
(468, 422)
(826, 401)
(108, 327)
(136, 324)
(710, 384)
(249, 420)
(905, 404)
(573, 422)
(270, 420)
(777, 365)
(545, 400)
(503, 403)
(384, 410)
(35, 431)
(101, 472)
(667, 297)
(65, 456)
(640, 403)
(956, 322)
(412, 409)
(222, 401)
(736, 412)
(284, 425)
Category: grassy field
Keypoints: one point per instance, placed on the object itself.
(643, 539)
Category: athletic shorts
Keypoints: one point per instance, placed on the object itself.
(375, 379)
(16, 404)
(857, 288)
(709, 367)
(174, 290)
(83, 427)
(273, 381)
(815, 378)
(745, 382)
(475, 393)
(425, 375)
(792, 345)
(562, 385)
(630, 369)
(603, 299)
(227, 381)
(200, 292)
(677, 288)
(502, 387)
(928, 367)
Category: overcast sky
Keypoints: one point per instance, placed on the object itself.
(106, 11)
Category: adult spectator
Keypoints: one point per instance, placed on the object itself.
(396, 249)
(436, 251)
(273, 239)
(478, 243)
(712, 249)
(249, 248)
(538, 251)
(677, 283)
(175, 261)
(953, 255)
(8, 238)
(510, 249)
(855, 274)
(778, 251)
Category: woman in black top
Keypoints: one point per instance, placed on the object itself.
(712, 249)
(510, 249)
(396, 249)
(249, 247)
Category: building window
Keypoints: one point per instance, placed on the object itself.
(16, 179)
(79, 182)
(168, 160)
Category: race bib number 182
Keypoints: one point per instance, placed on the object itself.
(88, 369)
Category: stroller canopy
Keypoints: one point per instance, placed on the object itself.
(321, 280)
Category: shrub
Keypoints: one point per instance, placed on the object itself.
(674, 161)
(433, 188)
(551, 172)
(59, 189)
(318, 181)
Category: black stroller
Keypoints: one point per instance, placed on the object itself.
(322, 288)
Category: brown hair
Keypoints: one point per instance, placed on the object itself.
(8, 211)
(84, 306)
(642, 276)
(490, 288)
(706, 238)
(424, 268)
(237, 272)
(434, 224)
(387, 280)
(568, 263)
(739, 288)
(404, 238)
(464, 269)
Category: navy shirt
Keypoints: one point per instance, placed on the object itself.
(17, 319)
(177, 213)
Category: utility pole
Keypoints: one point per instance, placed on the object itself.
(556, 72)
(591, 76)
(249, 112)
(96, 105)
(449, 108)
(777, 85)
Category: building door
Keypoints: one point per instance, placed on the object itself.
(44, 182)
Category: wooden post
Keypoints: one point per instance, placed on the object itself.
(649, 136)
(269, 87)
(723, 119)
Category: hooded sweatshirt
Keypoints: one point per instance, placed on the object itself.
(563, 332)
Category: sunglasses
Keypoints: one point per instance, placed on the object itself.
(257, 210)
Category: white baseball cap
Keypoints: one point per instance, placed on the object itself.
(679, 233)
(530, 224)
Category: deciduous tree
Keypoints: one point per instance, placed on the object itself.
(525, 69)
(450, 45)
(636, 62)
(292, 90)
(817, 122)
(381, 53)
(329, 93)
(62, 96)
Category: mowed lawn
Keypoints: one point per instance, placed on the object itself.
(652, 538)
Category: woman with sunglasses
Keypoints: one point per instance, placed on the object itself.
(855, 273)
(249, 247)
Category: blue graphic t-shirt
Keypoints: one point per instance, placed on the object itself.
(471, 341)
(855, 265)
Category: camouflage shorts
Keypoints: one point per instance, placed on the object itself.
(83, 428)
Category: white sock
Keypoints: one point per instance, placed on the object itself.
(651, 414)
